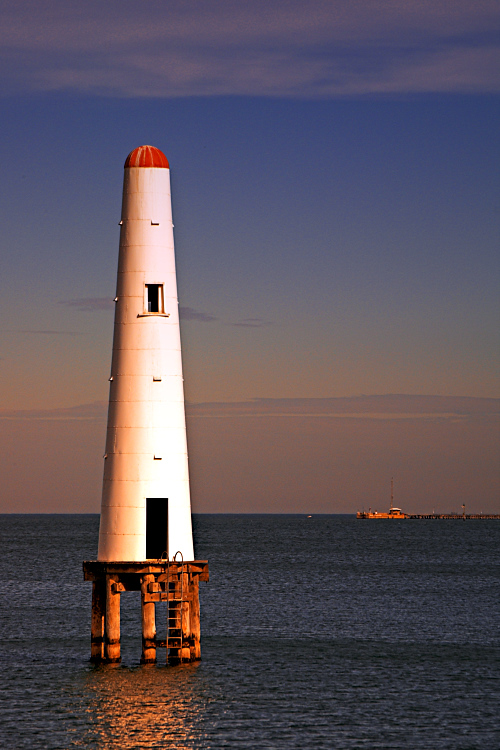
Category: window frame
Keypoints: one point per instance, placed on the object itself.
(161, 301)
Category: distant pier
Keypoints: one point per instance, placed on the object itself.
(397, 513)
(454, 516)
(430, 516)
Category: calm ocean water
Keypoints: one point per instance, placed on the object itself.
(323, 632)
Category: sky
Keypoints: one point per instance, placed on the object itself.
(335, 188)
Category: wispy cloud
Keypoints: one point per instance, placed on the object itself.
(391, 406)
(189, 313)
(48, 332)
(253, 323)
(89, 304)
(286, 48)
(95, 411)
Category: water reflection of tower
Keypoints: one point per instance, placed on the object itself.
(156, 708)
(145, 537)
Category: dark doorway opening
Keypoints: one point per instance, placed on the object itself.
(156, 527)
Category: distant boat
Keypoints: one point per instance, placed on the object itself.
(393, 512)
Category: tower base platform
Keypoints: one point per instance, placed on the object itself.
(176, 583)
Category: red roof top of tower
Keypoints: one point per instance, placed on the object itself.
(146, 156)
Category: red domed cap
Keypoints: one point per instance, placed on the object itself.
(147, 156)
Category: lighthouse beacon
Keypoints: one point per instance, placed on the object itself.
(146, 510)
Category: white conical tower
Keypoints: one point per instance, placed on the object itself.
(145, 500)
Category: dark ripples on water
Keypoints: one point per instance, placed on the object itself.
(321, 632)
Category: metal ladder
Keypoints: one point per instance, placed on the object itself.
(175, 600)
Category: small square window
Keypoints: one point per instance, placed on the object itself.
(154, 298)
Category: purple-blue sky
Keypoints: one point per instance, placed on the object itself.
(335, 179)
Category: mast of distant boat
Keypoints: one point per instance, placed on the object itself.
(392, 493)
